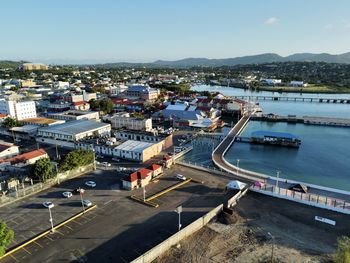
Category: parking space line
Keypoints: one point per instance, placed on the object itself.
(77, 222)
(107, 202)
(26, 250)
(38, 244)
(59, 232)
(68, 227)
(12, 256)
(49, 238)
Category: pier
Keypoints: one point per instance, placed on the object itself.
(293, 99)
(308, 120)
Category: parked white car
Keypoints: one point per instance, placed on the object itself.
(67, 194)
(106, 164)
(87, 203)
(180, 177)
(48, 204)
(91, 184)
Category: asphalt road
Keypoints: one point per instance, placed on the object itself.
(120, 229)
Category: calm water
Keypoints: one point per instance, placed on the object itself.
(324, 155)
(290, 107)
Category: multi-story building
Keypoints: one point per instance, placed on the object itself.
(18, 109)
(143, 92)
(123, 120)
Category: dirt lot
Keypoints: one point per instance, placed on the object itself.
(243, 237)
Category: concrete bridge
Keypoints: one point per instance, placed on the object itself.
(295, 99)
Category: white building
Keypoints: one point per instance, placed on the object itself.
(116, 90)
(123, 120)
(18, 109)
(295, 83)
(67, 134)
(137, 151)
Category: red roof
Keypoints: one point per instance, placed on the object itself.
(139, 174)
(25, 156)
(78, 103)
(154, 167)
(203, 108)
(3, 115)
(204, 100)
(167, 157)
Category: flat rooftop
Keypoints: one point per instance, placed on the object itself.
(272, 134)
(40, 121)
(135, 146)
(75, 127)
(73, 113)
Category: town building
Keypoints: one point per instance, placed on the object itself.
(24, 159)
(123, 120)
(8, 150)
(166, 140)
(141, 177)
(143, 92)
(80, 105)
(137, 150)
(33, 66)
(18, 109)
(295, 83)
(39, 121)
(71, 115)
(66, 134)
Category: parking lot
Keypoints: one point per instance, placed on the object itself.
(119, 229)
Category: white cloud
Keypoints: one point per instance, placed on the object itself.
(271, 21)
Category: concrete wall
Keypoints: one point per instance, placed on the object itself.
(158, 250)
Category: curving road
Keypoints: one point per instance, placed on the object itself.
(218, 155)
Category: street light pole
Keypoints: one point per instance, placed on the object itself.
(238, 160)
(178, 211)
(278, 176)
(144, 193)
(81, 191)
(51, 221)
(272, 245)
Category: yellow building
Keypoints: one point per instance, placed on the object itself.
(33, 66)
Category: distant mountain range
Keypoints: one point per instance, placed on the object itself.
(255, 59)
(206, 62)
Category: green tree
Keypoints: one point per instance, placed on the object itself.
(342, 255)
(6, 237)
(42, 170)
(75, 159)
(10, 123)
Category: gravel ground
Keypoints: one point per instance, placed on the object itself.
(243, 237)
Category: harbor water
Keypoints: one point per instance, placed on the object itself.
(323, 157)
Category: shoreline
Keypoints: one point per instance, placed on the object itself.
(281, 91)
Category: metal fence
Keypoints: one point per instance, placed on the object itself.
(24, 190)
(319, 200)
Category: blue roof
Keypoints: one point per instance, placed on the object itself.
(273, 134)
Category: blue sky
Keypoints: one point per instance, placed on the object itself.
(146, 30)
